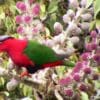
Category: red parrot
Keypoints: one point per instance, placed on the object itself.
(30, 54)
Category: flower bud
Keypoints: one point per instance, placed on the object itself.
(85, 26)
(12, 84)
(65, 81)
(85, 56)
(49, 43)
(93, 45)
(96, 57)
(21, 5)
(78, 67)
(87, 70)
(3, 71)
(58, 27)
(70, 13)
(69, 92)
(76, 77)
(83, 3)
(86, 17)
(36, 9)
(66, 18)
(93, 34)
(20, 29)
(18, 19)
(27, 19)
(95, 76)
(72, 27)
(73, 3)
(31, 1)
(83, 87)
(75, 40)
(88, 47)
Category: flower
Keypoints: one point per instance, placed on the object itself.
(18, 19)
(21, 5)
(96, 57)
(36, 9)
(58, 27)
(77, 68)
(86, 17)
(69, 92)
(66, 18)
(31, 1)
(93, 34)
(12, 84)
(85, 56)
(76, 77)
(87, 70)
(83, 87)
(20, 29)
(93, 45)
(95, 76)
(65, 81)
(88, 47)
(27, 19)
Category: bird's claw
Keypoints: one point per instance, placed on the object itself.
(25, 73)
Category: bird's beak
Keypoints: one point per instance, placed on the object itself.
(4, 37)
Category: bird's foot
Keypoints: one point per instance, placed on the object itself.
(25, 73)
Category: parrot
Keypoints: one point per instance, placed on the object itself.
(30, 54)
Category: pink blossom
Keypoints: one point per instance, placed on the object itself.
(31, 1)
(20, 29)
(85, 56)
(87, 70)
(36, 9)
(88, 47)
(69, 92)
(18, 19)
(77, 77)
(93, 34)
(65, 81)
(35, 30)
(83, 87)
(96, 57)
(21, 5)
(77, 68)
(27, 19)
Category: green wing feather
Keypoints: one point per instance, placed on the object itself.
(40, 54)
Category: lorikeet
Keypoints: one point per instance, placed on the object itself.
(30, 54)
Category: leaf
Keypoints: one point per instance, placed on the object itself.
(43, 8)
(97, 84)
(89, 2)
(97, 8)
(97, 23)
(53, 6)
(92, 25)
(61, 70)
(84, 96)
(27, 91)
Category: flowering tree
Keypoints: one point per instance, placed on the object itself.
(71, 28)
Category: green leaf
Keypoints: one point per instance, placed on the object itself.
(60, 71)
(97, 84)
(97, 23)
(53, 6)
(27, 91)
(97, 9)
(89, 2)
(84, 96)
(92, 25)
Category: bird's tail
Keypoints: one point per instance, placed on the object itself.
(66, 62)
